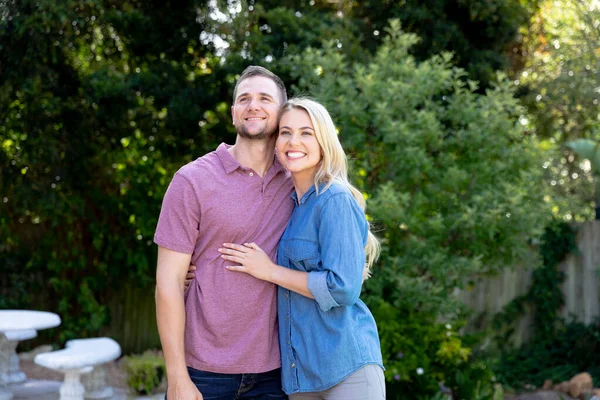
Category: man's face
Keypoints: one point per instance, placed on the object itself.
(256, 108)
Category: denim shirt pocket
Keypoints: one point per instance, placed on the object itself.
(302, 254)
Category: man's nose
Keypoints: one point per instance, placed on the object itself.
(254, 104)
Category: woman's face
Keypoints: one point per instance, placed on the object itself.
(297, 144)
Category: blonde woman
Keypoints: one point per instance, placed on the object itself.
(328, 338)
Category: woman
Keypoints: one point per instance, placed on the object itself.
(328, 338)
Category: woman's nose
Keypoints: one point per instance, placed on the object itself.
(294, 139)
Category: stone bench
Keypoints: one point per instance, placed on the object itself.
(10, 360)
(82, 356)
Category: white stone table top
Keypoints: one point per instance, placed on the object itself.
(20, 335)
(11, 320)
(80, 353)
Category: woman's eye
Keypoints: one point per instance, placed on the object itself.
(284, 133)
(307, 133)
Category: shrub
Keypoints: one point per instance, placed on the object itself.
(145, 372)
(574, 348)
(454, 187)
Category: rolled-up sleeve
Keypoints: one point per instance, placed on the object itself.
(342, 233)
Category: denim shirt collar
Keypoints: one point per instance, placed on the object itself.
(305, 197)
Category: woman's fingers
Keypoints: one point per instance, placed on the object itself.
(236, 259)
(239, 268)
(252, 247)
(235, 247)
(231, 252)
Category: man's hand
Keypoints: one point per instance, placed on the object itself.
(183, 389)
(253, 260)
(189, 277)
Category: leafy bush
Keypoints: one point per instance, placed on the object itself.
(453, 184)
(145, 372)
(574, 348)
(429, 357)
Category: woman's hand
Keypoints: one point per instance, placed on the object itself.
(253, 260)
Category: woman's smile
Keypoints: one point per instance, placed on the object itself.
(297, 142)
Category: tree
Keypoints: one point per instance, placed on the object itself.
(101, 101)
(478, 32)
(453, 185)
(558, 84)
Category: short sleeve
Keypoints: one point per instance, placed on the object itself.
(179, 221)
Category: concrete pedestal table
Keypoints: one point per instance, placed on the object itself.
(14, 374)
(19, 320)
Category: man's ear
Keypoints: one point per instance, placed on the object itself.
(232, 116)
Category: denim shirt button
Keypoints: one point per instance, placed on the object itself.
(293, 365)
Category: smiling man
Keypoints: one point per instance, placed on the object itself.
(221, 341)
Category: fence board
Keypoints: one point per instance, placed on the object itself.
(580, 287)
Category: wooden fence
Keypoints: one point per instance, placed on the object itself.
(580, 287)
(133, 320)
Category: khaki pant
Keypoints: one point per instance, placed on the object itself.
(367, 383)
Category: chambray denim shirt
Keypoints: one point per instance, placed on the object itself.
(325, 339)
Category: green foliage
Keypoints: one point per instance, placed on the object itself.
(425, 357)
(573, 349)
(145, 372)
(478, 32)
(544, 297)
(553, 352)
(545, 293)
(451, 181)
(558, 85)
(101, 102)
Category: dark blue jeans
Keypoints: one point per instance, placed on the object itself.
(213, 386)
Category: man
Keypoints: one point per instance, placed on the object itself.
(222, 341)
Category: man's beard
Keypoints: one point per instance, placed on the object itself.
(264, 134)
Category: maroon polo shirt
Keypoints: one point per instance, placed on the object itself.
(231, 317)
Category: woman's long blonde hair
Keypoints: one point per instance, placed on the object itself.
(334, 164)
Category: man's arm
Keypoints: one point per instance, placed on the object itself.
(170, 316)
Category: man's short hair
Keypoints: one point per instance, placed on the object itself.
(255, 70)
